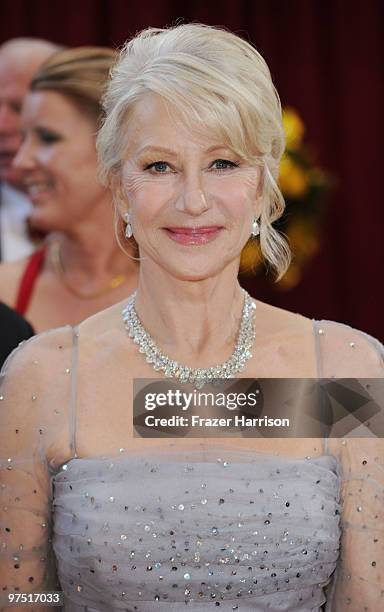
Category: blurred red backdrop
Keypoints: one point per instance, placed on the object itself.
(327, 61)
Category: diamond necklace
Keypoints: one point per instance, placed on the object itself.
(197, 376)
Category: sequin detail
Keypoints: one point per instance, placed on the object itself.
(241, 541)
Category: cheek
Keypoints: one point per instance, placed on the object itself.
(48, 157)
(237, 196)
(72, 166)
(146, 196)
(62, 160)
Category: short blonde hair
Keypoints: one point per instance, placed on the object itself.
(217, 81)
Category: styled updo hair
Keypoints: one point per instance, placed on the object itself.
(218, 82)
(80, 74)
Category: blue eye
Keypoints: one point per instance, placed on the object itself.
(223, 164)
(160, 167)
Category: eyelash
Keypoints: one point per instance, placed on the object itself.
(48, 137)
(231, 164)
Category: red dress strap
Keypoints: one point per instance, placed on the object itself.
(28, 280)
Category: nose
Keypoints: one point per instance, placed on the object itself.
(24, 159)
(192, 198)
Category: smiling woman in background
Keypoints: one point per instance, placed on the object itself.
(190, 146)
(81, 269)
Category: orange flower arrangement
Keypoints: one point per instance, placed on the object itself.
(304, 186)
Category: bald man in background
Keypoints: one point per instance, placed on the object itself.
(19, 60)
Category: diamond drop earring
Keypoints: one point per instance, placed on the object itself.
(255, 228)
(128, 230)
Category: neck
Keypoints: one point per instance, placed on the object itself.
(91, 256)
(194, 321)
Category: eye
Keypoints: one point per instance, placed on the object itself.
(47, 136)
(16, 106)
(223, 164)
(159, 167)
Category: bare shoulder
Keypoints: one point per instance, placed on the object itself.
(10, 277)
(103, 330)
(344, 350)
(102, 341)
(272, 322)
(103, 322)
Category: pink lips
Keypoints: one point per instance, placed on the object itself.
(193, 235)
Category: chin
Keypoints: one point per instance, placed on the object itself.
(43, 223)
(193, 278)
(197, 274)
(195, 266)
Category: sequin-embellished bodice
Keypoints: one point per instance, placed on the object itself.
(250, 533)
(166, 526)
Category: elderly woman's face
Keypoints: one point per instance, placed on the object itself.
(191, 200)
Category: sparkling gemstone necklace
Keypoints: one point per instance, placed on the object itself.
(197, 376)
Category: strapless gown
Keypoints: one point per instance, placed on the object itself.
(250, 532)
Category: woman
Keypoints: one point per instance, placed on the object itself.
(190, 145)
(80, 270)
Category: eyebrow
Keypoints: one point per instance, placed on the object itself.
(154, 148)
(160, 149)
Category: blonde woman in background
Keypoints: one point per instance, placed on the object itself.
(80, 269)
(190, 145)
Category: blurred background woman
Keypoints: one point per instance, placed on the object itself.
(80, 269)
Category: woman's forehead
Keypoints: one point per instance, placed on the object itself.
(49, 105)
(154, 123)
